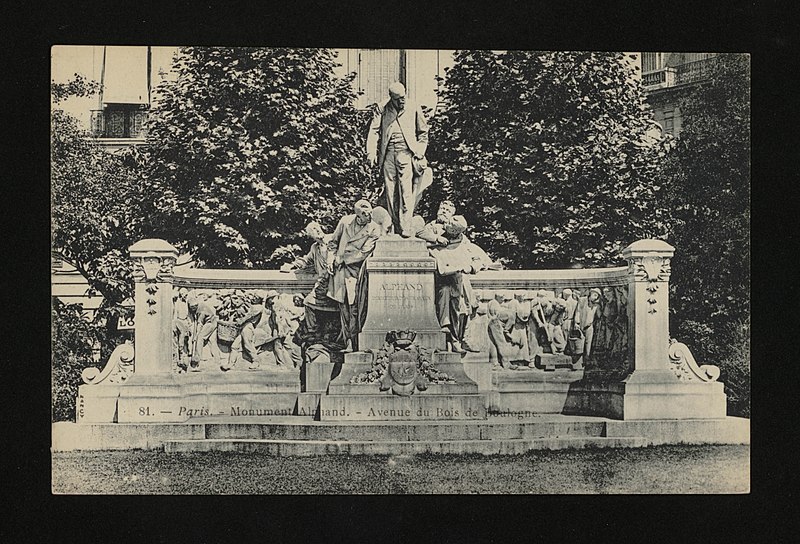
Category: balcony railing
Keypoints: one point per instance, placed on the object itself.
(126, 123)
(681, 74)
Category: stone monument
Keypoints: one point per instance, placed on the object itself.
(401, 371)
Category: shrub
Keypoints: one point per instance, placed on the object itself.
(73, 337)
(727, 347)
(735, 369)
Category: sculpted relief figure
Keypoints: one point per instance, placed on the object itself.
(504, 343)
(586, 315)
(351, 243)
(396, 142)
(476, 335)
(181, 328)
(266, 328)
(556, 324)
(570, 299)
(202, 327)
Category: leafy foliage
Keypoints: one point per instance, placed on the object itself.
(249, 144)
(96, 203)
(73, 337)
(709, 180)
(549, 156)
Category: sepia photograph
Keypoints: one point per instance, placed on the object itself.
(399, 271)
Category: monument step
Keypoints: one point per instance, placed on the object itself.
(406, 431)
(68, 436)
(401, 447)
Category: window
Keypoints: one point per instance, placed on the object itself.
(652, 62)
(669, 122)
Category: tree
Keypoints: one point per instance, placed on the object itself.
(709, 179)
(250, 144)
(96, 203)
(549, 155)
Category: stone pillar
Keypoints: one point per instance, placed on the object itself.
(648, 310)
(153, 262)
(401, 293)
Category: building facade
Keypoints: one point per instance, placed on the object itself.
(667, 79)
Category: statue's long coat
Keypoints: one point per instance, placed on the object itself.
(354, 243)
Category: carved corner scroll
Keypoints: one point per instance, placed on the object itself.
(686, 368)
(118, 368)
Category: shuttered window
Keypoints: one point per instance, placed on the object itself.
(377, 68)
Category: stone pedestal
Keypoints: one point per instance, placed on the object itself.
(317, 376)
(207, 396)
(652, 390)
(347, 401)
(153, 262)
(401, 293)
(648, 310)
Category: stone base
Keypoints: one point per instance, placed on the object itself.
(421, 406)
(632, 399)
(348, 401)
(308, 404)
(169, 398)
(317, 376)
(531, 390)
(97, 403)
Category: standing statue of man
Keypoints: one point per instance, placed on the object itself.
(397, 138)
(350, 244)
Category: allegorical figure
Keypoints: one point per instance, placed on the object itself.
(316, 262)
(350, 245)
(433, 232)
(454, 297)
(397, 139)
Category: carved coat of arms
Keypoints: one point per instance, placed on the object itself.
(402, 374)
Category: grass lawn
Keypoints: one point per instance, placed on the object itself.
(661, 469)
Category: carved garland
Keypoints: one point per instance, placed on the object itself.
(651, 269)
(152, 268)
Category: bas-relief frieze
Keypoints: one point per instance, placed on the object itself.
(524, 327)
(235, 329)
